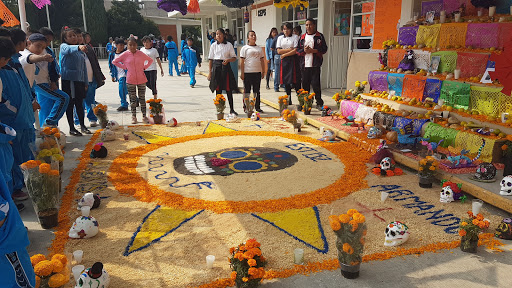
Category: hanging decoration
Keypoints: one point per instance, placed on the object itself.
(193, 7)
(173, 5)
(7, 16)
(503, 68)
(41, 3)
(285, 3)
(246, 16)
(237, 3)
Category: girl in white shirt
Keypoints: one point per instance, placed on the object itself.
(252, 66)
(287, 48)
(151, 73)
(221, 76)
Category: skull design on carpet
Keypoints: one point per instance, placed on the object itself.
(396, 234)
(235, 160)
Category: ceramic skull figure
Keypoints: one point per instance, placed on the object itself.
(113, 125)
(374, 132)
(504, 230)
(94, 277)
(506, 186)
(485, 171)
(450, 192)
(396, 234)
(89, 199)
(108, 135)
(84, 227)
(387, 164)
(328, 135)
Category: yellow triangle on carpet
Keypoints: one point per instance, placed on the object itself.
(151, 138)
(160, 222)
(303, 225)
(215, 128)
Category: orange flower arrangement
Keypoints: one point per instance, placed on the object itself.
(247, 264)
(290, 116)
(220, 103)
(338, 99)
(470, 228)
(101, 112)
(306, 100)
(283, 102)
(50, 273)
(428, 166)
(155, 106)
(350, 242)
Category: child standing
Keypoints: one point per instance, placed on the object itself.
(191, 57)
(119, 74)
(151, 73)
(172, 55)
(252, 66)
(287, 49)
(135, 62)
(74, 78)
(183, 44)
(35, 61)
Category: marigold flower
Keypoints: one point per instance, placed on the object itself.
(43, 268)
(432, 168)
(253, 271)
(251, 263)
(57, 266)
(475, 222)
(354, 225)
(365, 82)
(463, 224)
(245, 279)
(233, 275)
(359, 218)
(421, 169)
(462, 233)
(351, 212)
(44, 168)
(334, 222)
(470, 214)
(480, 217)
(248, 254)
(232, 250)
(255, 251)
(239, 256)
(344, 218)
(504, 147)
(36, 259)
(347, 248)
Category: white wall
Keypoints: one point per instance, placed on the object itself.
(262, 25)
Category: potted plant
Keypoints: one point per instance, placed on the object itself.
(426, 171)
(42, 181)
(247, 264)
(220, 105)
(338, 99)
(155, 110)
(249, 105)
(507, 156)
(306, 101)
(52, 272)
(360, 87)
(350, 229)
(469, 230)
(101, 112)
(291, 116)
(283, 103)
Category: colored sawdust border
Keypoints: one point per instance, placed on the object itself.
(125, 178)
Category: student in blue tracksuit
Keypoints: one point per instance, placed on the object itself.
(172, 55)
(183, 44)
(17, 110)
(119, 74)
(192, 58)
(15, 267)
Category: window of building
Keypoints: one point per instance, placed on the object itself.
(298, 15)
(363, 19)
(342, 11)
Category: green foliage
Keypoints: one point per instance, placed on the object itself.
(96, 18)
(124, 19)
(194, 31)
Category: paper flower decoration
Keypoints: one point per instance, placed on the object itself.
(294, 3)
(237, 3)
(193, 7)
(41, 3)
(7, 16)
(503, 68)
(173, 5)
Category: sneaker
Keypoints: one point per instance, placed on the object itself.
(84, 130)
(19, 195)
(134, 119)
(191, 86)
(122, 108)
(20, 207)
(94, 124)
(259, 110)
(145, 119)
(233, 112)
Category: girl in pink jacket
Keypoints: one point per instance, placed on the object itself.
(135, 62)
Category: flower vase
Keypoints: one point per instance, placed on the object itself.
(44, 193)
(425, 181)
(307, 110)
(103, 123)
(158, 119)
(469, 244)
(349, 271)
(220, 116)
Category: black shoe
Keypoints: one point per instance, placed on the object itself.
(121, 108)
(75, 133)
(276, 90)
(268, 87)
(84, 130)
(233, 112)
(319, 107)
(259, 110)
(20, 207)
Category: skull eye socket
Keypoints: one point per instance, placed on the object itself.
(448, 193)
(502, 182)
(509, 184)
(393, 233)
(387, 230)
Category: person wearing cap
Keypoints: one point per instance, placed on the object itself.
(35, 61)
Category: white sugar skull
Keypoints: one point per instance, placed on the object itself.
(328, 135)
(84, 227)
(506, 186)
(396, 234)
(107, 135)
(446, 195)
(94, 277)
(113, 125)
(387, 164)
(89, 200)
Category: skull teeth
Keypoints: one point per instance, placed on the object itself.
(197, 165)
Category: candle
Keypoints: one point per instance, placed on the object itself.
(77, 255)
(77, 271)
(443, 13)
(298, 256)
(492, 10)
(457, 17)
(456, 74)
(479, 13)
(86, 210)
(126, 134)
(383, 196)
(209, 261)
(322, 129)
(442, 18)
(504, 117)
(477, 205)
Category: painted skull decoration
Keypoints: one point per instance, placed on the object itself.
(387, 164)
(84, 227)
(504, 230)
(396, 234)
(94, 277)
(506, 186)
(113, 125)
(235, 160)
(90, 200)
(374, 133)
(485, 171)
(328, 135)
(450, 192)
